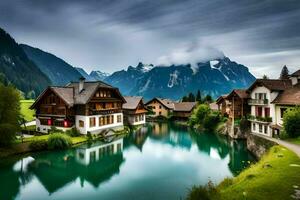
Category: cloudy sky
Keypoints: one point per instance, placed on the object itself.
(109, 35)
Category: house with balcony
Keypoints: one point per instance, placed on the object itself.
(88, 106)
(263, 95)
(134, 111)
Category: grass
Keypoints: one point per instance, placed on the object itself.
(75, 140)
(273, 177)
(25, 111)
(294, 140)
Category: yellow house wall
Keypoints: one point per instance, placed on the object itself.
(157, 109)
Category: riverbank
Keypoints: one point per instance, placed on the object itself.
(275, 176)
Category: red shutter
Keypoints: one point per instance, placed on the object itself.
(267, 112)
(256, 111)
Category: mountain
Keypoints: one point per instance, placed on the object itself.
(16, 68)
(98, 75)
(84, 74)
(216, 77)
(125, 80)
(58, 71)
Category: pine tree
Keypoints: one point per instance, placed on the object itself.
(185, 99)
(208, 99)
(284, 73)
(191, 97)
(198, 96)
(265, 77)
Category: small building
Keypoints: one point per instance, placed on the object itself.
(238, 104)
(223, 105)
(183, 110)
(134, 111)
(87, 106)
(160, 107)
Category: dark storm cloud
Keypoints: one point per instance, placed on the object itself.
(113, 34)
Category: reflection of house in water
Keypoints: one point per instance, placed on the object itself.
(160, 129)
(94, 164)
(89, 154)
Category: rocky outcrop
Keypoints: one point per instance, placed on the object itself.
(258, 146)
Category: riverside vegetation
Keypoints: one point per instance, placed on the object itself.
(275, 176)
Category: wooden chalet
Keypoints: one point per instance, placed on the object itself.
(183, 110)
(87, 106)
(238, 104)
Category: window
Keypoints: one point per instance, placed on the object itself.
(81, 123)
(159, 107)
(260, 96)
(101, 121)
(108, 119)
(112, 119)
(258, 111)
(267, 112)
(119, 118)
(159, 112)
(136, 118)
(254, 126)
(260, 128)
(265, 129)
(92, 122)
(282, 110)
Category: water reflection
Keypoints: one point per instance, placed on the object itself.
(159, 156)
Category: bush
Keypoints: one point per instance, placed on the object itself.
(210, 121)
(7, 134)
(291, 122)
(89, 136)
(37, 145)
(199, 114)
(73, 132)
(206, 192)
(244, 125)
(59, 141)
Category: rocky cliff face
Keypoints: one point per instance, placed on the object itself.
(258, 146)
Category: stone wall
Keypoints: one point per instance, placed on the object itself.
(258, 145)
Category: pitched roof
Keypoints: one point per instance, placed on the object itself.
(296, 73)
(290, 96)
(240, 92)
(223, 97)
(272, 84)
(132, 102)
(89, 89)
(71, 95)
(213, 106)
(168, 103)
(184, 106)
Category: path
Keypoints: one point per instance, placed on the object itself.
(293, 147)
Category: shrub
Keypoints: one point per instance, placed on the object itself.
(7, 134)
(291, 122)
(210, 121)
(205, 192)
(59, 141)
(199, 114)
(89, 136)
(37, 145)
(244, 125)
(73, 132)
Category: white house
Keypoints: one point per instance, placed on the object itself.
(269, 99)
(88, 106)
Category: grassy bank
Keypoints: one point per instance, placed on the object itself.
(294, 140)
(273, 177)
(25, 111)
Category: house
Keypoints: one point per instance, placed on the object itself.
(267, 96)
(223, 105)
(160, 107)
(87, 106)
(183, 110)
(134, 110)
(238, 104)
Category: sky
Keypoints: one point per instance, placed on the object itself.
(110, 35)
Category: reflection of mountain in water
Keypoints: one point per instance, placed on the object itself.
(94, 164)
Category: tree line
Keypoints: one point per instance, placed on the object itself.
(191, 97)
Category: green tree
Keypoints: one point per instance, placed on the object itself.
(9, 114)
(185, 99)
(291, 122)
(208, 99)
(284, 73)
(265, 77)
(191, 97)
(198, 96)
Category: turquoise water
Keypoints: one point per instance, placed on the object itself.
(160, 161)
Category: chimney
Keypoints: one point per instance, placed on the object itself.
(81, 84)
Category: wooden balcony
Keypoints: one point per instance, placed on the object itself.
(104, 111)
(258, 101)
